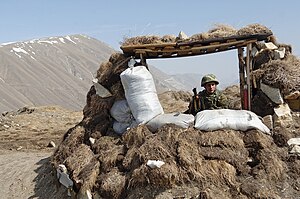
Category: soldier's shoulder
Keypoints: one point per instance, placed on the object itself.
(201, 93)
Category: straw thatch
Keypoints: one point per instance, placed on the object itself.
(253, 29)
(282, 74)
(149, 39)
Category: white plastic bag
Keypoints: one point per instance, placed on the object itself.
(210, 120)
(182, 120)
(140, 93)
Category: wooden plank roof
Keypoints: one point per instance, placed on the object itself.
(191, 48)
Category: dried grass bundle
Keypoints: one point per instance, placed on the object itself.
(149, 39)
(221, 30)
(218, 172)
(198, 37)
(166, 176)
(79, 159)
(135, 137)
(108, 152)
(282, 74)
(88, 176)
(222, 138)
(267, 155)
(254, 29)
(168, 39)
(72, 139)
(113, 184)
(218, 31)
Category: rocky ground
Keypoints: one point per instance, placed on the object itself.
(28, 137)
(26, 145)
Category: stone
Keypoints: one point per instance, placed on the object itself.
(282, 115)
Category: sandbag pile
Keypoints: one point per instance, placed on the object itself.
(195, 164)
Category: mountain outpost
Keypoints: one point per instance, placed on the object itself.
(119, 150)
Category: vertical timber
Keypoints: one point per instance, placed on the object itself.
(248, 73)
(242, 75)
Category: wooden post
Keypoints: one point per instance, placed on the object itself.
(242, 75)
(143, 61)
(248, 71)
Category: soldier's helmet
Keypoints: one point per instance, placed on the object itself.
(209, 78)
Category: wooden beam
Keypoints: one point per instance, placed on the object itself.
(248, 71)
(242, 75)
(171, 52)
(143, 61)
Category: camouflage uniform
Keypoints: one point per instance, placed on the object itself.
(203, 100)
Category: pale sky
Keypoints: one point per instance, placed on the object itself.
(110, 21)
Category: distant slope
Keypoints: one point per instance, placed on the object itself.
(179, 82)
(59, 71)
(55, 70)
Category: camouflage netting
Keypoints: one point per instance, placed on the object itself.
(198, 164)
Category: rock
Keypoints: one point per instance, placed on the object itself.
(294, 141)
(92, 140)
(272, 93)
(269, 45)
(282, 115)
(182, 36)
(100, 90)
(295, 149)
(279, 54)
(268, 121)
(51, 144)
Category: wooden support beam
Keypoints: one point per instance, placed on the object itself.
(153, 51)
(242, 75)
(248, 72)
(143, 61)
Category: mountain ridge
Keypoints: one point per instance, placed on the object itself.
(59, 71)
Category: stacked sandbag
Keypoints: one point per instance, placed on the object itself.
(210, 120)
(140, 93)
(179, 119)
(124, 119)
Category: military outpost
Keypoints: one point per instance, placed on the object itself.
(172, 160)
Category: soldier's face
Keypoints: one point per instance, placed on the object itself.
(210, 87)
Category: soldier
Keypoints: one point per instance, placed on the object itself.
(209, 98)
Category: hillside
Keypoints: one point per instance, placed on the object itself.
(49, 71)
(59, 71)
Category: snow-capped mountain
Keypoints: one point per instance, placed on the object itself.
(59, 71)
(54, 70)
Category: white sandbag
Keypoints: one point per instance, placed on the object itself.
(182, 120)
(121, 112)
(140, 93)
(210, 120)
(120, 128)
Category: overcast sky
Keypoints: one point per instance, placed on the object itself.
(110, 21)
